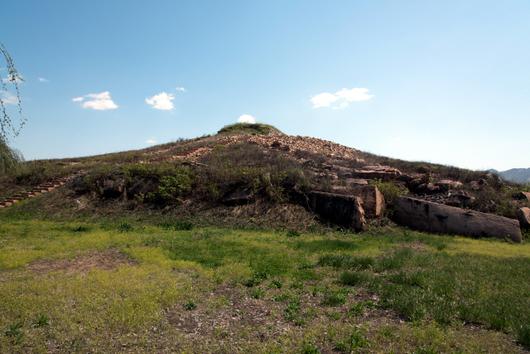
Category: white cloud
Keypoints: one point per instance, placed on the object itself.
(151, 141)
(341, 99)
(181, 89)
(246, 118)
(162, 101)
(42, 79)
(98, 101)
(8, 98)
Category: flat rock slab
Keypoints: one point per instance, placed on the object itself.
(439, 218)
(343, 210)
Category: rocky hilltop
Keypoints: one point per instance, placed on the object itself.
(255, 172)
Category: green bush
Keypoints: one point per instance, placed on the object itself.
(391, 191)
(172, 187)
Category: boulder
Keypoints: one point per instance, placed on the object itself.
(447, 184)
(439, 218)
(460, 199)
(478, 185)
(523, 214)
(343, 210)
(373, 200)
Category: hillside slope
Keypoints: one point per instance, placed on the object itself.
(255, 172)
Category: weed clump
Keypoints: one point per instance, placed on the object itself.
(190, 305)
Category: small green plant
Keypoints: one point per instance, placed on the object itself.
(334, 298)
(41, 321)
(276, 284)
(353, 278)
(125, 227)
(355, 341)
(292, 311)
(177, 225)
(523, 336)
(309, 348)
(257, 293)
(358, 308)
(14, 331)
(81, 228)
(281, 298)
(256, 279)
(293, 233)
(190, 305)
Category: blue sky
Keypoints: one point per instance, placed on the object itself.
(440, 81)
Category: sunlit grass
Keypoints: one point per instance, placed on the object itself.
(439, 280)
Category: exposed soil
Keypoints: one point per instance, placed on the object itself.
(106, 260)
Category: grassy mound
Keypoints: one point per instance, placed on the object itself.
(248, 128)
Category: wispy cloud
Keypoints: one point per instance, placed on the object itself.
(340, 99)
(162, 101)
(8, 98)
(181, 89)
(151, 141)
(98, 101)
(42, 79)
(246, 118)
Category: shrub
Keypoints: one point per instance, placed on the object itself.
(390, 190)
(171, 187)
(248, 128)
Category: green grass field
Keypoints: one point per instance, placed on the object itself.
(130, 287)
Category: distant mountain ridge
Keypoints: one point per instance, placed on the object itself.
(517, 175)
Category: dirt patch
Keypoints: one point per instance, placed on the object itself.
(226, 309)
(107, 260)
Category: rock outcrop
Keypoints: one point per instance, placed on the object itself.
(523, 214)
(343, 210)
(385, 173)
(438, 218)
(373, 200)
